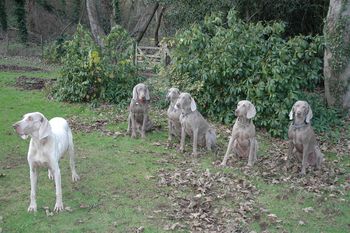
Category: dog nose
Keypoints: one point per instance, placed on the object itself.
(15, 126)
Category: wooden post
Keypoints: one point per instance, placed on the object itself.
(135, 53)
(42, 46)
(7, 43)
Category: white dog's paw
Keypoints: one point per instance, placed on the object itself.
(75, 177)
(58, 207)
(49, 174)
(32, 207)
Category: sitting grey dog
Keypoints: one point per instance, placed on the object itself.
(138, 119)
(194, 125)
(302, 139)
(243, 141)
(174, 125)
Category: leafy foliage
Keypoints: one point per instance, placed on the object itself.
(220, 65)
(89, 74)
(3, 16)
(120, 69)
(21, 19)
(300, 16)
(55, 50)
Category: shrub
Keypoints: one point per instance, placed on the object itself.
(54, 51)
(89, 74)
(82, 74)
(222, 64)
(122, 73)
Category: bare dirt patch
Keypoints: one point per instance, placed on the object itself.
(30, 83)
(19, 68)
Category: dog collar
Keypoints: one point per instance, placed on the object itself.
(299, 126)
(243, 122)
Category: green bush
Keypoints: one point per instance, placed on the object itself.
(122, 73)
(89, 74)
(220, 64)
(54, 51)
(82, 74)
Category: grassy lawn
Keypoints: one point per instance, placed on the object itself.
(141, 185)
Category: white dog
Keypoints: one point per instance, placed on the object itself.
(49, 141)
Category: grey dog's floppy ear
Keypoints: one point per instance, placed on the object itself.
(147, 93)
(134, 93)
(291, 113)
(251, 111)
(193, 105)
(45, 128)
(309, 115)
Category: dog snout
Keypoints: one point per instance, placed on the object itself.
(15, 125)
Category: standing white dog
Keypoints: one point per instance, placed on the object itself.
(49, 141)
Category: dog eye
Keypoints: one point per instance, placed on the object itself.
(30, 118)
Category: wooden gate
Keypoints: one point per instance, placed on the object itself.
(151, 56)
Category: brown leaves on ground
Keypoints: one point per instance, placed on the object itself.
(272, 168)
(98, 125)
(197, 198)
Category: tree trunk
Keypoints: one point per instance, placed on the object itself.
(159, 21)
(144, 21)
(96, 29)
(337, 52)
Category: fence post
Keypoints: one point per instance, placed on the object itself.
(42, 46)
(135, 52)
(7, 43)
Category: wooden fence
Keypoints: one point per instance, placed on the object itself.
(151, 56)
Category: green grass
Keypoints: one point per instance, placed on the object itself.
(118, 191)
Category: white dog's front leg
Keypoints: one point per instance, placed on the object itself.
(33, 182)
(57, 176)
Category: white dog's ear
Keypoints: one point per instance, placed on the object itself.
(291, 113)
(134, 93)
(251, 111)
(45, 128)
(147, 93)
(193, 105)
(309, 115)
